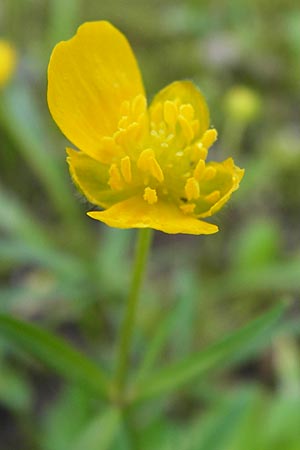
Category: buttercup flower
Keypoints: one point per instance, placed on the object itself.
(145, 167)
(7, 61)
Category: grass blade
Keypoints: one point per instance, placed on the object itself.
(55, 353)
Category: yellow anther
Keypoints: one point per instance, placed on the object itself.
(213, 197)
(187, 111)
(186, 128)
(208, 174)
(192, 189)
(170, 113)
(157, 113)
(209, 137)
(133, 131)
(120, 137)
(126, 169)
(139, 105)
(148, 163)
(155, 170)
(188, 208)
(198, 171)
(195, 126)
(150, 195)
(202, 153)
(143, 161)
(197, 152)
(115, 180)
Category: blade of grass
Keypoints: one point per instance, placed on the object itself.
(101, 432)
(55, 353)
(234, 347)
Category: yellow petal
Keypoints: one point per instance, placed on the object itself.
(187, 94)
(136, 213)
(91, 177)
(232, 176)
(89, 77)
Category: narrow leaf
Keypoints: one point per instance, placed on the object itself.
(233, 347)
(55, 353)
(101, 431)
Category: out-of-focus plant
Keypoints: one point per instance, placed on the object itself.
(8, 61)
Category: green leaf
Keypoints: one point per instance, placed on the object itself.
(232, 348)
(55, 353)
(101, 431)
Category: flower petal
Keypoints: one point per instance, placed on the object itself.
(136, 213)
(227, 181)
(187, 93)
(91, 178)
(89, 77)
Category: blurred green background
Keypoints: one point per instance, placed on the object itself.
(70, 274)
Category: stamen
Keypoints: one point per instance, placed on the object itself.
(192, 189)
(150, 195)
(156, 113)
(213, 197)
(186, 128)
(199, 169)
(126, 169)
(188, 208)
(123, 122)
(148, 163)
(139, 105)
(209, 173)
(187, 111)
(195, 126)
(209, 137)
(170, 113)
(115, 180)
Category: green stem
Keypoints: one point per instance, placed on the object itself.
(142, 250)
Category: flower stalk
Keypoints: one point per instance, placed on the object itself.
(144, 240)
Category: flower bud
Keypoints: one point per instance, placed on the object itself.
(8, 59)
(242, 103)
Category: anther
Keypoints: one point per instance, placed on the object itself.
(170, 113)
(115, 181)
(192, 189)
(139, 105)
(148, 163)
(198, 171)
(150, 195)
(187, 111)
(156, 113)
(188, 208)
(126, 169)
(209, 137)
(186, 128)
(213, 197)
(208, 174)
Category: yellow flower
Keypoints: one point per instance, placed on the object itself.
(8, 60)
(145, 167)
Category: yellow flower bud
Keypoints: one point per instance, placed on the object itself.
(242, 103)
(8, 59)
